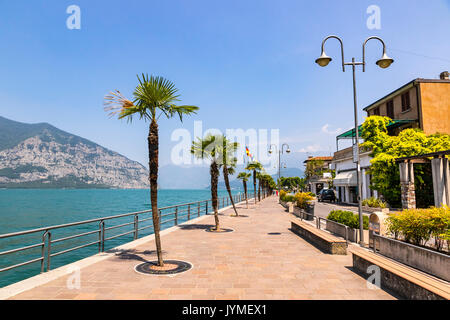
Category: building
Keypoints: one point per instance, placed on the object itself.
(421, 103)
(317, 173)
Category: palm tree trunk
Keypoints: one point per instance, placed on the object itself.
(153, 165)
(254, 184)
(214, 172)
(259, 190)
(227, 185)
(245, 191)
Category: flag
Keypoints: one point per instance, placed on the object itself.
(248, 153)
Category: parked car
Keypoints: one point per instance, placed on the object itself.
(326, 194)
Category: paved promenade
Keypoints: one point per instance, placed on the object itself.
(261, 259)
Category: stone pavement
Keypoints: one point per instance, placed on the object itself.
(261, 259)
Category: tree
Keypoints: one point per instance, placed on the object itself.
(153, 97)
(255, 167)
(385, 149)
(293, 183)
(244, 176)
(209, 148)
(227, 152)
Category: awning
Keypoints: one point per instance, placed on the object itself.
(350, 134)
(345, 179)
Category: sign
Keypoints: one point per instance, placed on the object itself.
(355, 153)
(327, 174)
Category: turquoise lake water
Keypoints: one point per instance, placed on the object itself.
(24, 209)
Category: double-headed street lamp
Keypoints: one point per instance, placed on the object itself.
(384, 62)
(279, 156)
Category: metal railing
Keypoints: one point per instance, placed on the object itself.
(170, 216)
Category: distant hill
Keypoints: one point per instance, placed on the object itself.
(43, 156)
(290, 172)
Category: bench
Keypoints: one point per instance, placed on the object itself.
(399, 278)
(321, 239)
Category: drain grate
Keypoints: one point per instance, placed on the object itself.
(149, 267)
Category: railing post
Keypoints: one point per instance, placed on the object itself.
(198, 205)
(206, 210)
(49, 249)
(189, 211)
(176, 215)
(43, 250)
(101, 236)
(136, 221)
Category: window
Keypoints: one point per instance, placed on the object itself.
(406, 104)
(376, 111)
(390, 109)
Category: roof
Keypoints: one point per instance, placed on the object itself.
(404, 87)
(318, 159)
(393, 124)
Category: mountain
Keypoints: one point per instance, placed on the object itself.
(43, 156)
(289, 172)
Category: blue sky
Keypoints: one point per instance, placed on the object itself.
(246, 64)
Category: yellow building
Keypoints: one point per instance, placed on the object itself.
(425, 103)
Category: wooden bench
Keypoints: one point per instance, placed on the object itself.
(323, 240)
(399, 278)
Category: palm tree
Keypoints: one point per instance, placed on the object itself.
(208, 148)
(227, 153)
(153, 97)
(254, 166)
(244, 176)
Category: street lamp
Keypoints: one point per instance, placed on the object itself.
(383, 63)
(279, 156)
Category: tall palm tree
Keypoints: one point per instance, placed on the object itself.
(227, 154)
(244, 176)
(255, 167)
(154, 96)
(208, 148)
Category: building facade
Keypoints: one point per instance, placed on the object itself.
(421, 103)
(315, 169)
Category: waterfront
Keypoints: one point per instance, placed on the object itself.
(24, 209)
(261, 259)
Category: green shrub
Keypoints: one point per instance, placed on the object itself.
(348, 218)
(418, 226)
(374, 203)
(284, 196)
(302, 199)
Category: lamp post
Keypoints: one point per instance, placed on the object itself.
(279, 156)
(383, 63)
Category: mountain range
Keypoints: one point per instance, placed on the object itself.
(43, 156)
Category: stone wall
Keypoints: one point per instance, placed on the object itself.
(429, 261)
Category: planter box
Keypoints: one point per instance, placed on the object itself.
(339, 229)
(302, 214)
(429, 261)
(371, 209)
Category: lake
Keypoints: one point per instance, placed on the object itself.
(24, 209)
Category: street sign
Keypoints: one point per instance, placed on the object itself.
(355, 153)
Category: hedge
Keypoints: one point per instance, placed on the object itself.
(418, 226)
(348, 218)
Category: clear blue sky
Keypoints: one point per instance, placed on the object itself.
(246, 64)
